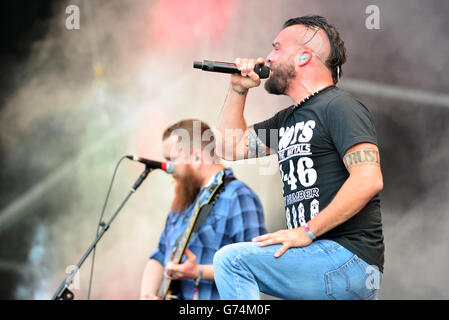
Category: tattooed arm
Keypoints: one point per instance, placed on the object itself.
(235, 140)
(254, 147)
(239, 144)
(365, 181)
(363, 155)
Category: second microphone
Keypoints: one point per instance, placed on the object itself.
(168, 167)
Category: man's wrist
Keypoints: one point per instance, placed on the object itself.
(239, 90)
(199, 275)
(309, 233)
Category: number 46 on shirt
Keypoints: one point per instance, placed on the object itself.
(306, 174)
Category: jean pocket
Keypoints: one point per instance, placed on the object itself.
(350, 282)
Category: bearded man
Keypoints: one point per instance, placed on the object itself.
(329, 162)
(236, 215)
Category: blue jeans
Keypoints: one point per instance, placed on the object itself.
(322, 270)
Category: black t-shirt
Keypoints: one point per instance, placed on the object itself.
(311, 142)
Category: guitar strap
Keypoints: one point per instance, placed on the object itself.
(206, 209)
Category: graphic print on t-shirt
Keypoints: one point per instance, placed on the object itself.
(298, 173)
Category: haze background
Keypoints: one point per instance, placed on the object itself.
(73, 102)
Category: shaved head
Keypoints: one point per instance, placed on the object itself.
(307, 52)
(316, 34)
(312, 38)
(315, 39)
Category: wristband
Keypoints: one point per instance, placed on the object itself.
(196, 282)
(311, 235)
(198, 277)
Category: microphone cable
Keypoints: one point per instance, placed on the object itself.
(101, 224)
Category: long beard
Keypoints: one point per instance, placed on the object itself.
(186, 190)
(280, 79)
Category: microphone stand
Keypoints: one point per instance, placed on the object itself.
(63, 292)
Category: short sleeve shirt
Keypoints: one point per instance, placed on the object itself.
(310, 141)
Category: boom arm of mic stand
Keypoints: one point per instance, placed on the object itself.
(63, 292)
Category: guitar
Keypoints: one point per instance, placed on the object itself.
(169, 290)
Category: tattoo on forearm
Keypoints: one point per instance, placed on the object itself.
(361, 157)
(255, 146)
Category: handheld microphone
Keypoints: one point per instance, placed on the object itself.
(168, 167)
(225, 67)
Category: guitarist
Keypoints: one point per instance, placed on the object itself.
(236, 215)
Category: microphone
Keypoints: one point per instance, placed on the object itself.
(168, 167)
(225, 67)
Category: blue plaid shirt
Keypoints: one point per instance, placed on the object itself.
(237, 216)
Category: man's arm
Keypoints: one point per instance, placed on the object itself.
(151, 280)
(238, 141)
(364, 182)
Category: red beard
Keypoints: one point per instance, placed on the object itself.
(186, 190)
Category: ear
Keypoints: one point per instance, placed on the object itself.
(304, 56)
(197, 158)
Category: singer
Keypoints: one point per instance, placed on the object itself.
(236, 215)
(330, 169)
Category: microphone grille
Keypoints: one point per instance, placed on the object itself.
(262, 70)
(171, 168)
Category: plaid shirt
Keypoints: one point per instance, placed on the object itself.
(237, 216)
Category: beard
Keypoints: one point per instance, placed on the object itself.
(280, 79)
(186, 189)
